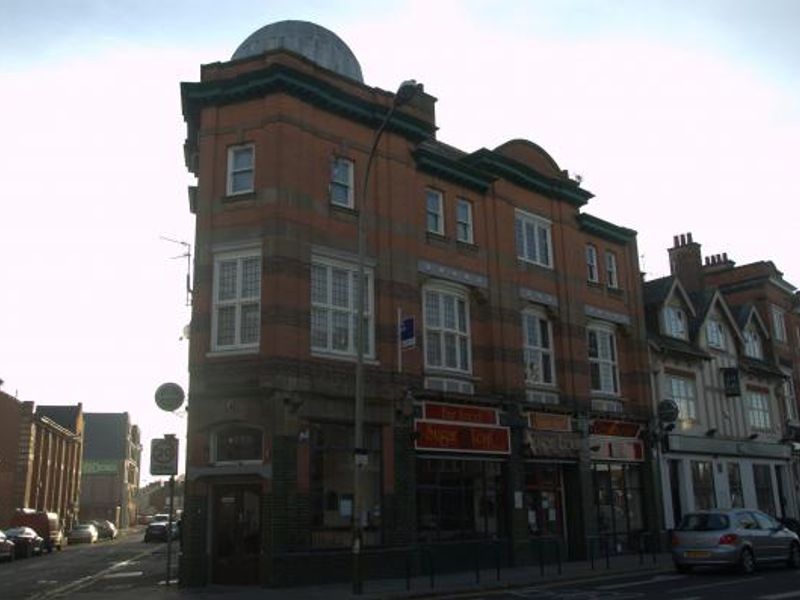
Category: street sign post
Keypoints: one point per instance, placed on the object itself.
(164, 456)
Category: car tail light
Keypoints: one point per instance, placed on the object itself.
(729, 539)
(675, 541)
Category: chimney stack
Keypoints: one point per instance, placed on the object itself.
(686, 261)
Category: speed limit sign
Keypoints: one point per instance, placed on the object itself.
(164, 456)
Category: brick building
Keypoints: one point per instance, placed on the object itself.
(40, 458)
(111, 468)
(722, 350)
(516, 411)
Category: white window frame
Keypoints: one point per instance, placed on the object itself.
(715, 334)
(330, 307)
(464, 229)
(778, 324)
(237, 302)
(347, 185)
(532, 234)
(675, 322)
(592, 272)
(682, 391)
(753, 346)
(605, 359)
(434, 212)
(612, 271)
(789, 396)
(538, 354)
(232, 170)
(437, 331)
(759, 416)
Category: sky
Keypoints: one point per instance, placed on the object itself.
(679, 115)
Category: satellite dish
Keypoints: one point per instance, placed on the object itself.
(187, 329)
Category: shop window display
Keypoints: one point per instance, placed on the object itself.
(332, 485)
(460, 499)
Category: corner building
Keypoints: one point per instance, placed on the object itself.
(510, 409)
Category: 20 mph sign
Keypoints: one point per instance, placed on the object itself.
(164, 456)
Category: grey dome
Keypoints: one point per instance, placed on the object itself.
(308, 39)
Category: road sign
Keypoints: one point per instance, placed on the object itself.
(164, 456)
(407, 337)
(169, 396)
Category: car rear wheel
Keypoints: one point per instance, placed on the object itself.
(793, 562)
(747, 562)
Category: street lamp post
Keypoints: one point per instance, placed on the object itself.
(404, 94)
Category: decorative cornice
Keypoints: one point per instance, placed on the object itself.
(604, 229)
(452, 170)
(528, 178)
(606, 315)
(281, 78)
(538, 297)
(452, 274)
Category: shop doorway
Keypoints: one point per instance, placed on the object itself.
(619, 500)
(544, 499)
(236, 534)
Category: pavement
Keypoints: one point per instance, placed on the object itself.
(444, 585)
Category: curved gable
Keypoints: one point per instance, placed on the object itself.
(531, 155)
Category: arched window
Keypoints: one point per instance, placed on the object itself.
(238, 443)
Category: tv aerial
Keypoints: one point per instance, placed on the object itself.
(188, 256)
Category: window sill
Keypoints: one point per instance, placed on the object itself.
(436, 238)
(236, 463)
(452, 374)
(529, 265)
(467, 246)
(615, 291)
(350, 358)
(349, 212)
(594, 284)
(241, 196)
(233, 352)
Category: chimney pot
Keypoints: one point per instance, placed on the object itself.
(683, 239)
(674, 241)
(725, 257)
(689, 237)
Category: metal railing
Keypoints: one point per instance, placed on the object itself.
(540, 544)
(635, 541)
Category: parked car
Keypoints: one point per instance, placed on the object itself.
(83, 532)
(6, 547)
(157, 531)
(46, 524)
(27, 542)
(160, 518)
(740, 538)
(106, 530)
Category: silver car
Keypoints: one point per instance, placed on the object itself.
(734, 537)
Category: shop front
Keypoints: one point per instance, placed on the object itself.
(618, 480)
(701, 473)
(462, 473)
(552, 451)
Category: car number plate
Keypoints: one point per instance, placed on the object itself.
(696, 554)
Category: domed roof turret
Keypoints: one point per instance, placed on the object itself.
(316, 43)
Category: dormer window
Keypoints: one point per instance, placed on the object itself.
(715, 334)
(675, 320)
(752, 343)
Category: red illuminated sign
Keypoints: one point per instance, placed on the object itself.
(433, 435)
(615, 428)
(461, 414)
